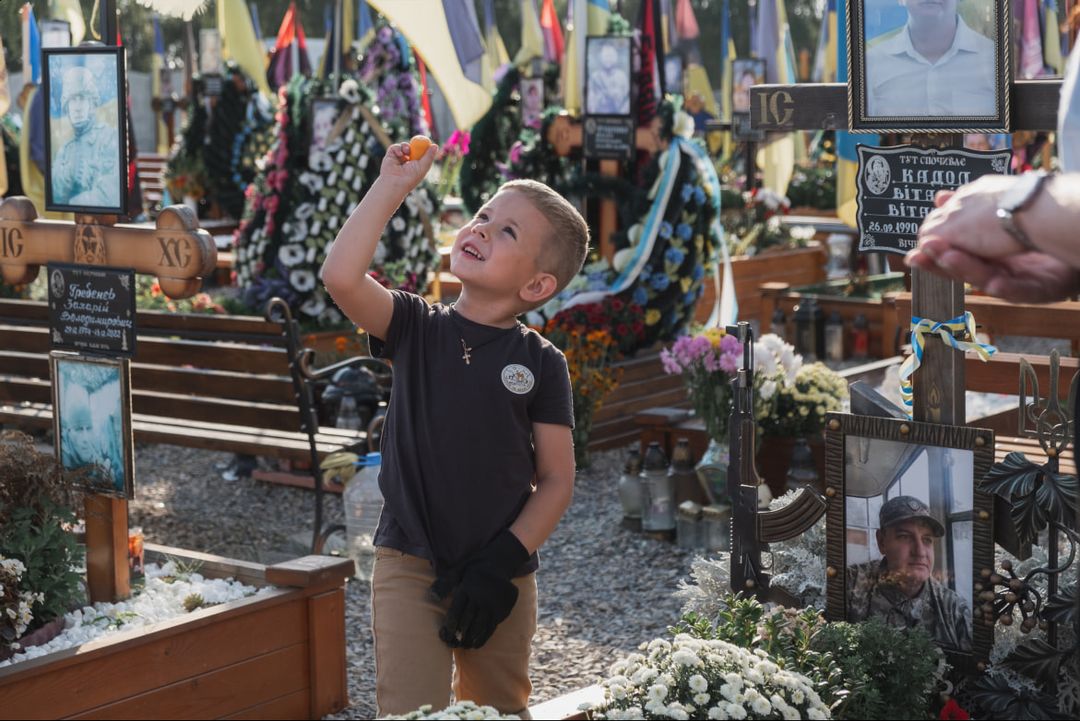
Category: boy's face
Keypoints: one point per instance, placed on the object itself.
(497, 250)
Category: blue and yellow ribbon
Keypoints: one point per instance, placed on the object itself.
(922, 327)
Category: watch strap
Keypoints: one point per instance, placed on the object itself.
(1011, 204)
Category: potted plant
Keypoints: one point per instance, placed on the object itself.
(39, 554)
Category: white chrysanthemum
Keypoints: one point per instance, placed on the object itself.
(291, 254)
(298, 232)
(717, 713)
(761, 706)
(313, 306)
(657, 692)
(736, 711)
(398, 223)
(687, 658)
(767, 390)
(698, 684)
(676, 711)
(302, 280)
(702, 698)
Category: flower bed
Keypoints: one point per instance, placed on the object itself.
(277, 653)
(170, 592)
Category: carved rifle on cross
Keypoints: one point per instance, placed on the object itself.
(177, 251)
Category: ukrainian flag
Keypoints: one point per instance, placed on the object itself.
(238, 42)
(588, 17)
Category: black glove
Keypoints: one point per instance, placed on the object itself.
(486, 594)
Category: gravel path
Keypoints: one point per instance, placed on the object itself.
(603, 589)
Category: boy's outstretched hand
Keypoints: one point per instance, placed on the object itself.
(486, 594)
(403, 171)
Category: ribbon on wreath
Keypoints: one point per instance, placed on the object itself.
(922, 327)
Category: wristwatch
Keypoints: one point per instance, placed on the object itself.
(1015, 199)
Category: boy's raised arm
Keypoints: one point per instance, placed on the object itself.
(345, 271)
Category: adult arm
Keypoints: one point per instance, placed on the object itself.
(345, 271)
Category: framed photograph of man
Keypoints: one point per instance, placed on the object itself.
(929, 65)
(85, 130)
(324, 113)
(608, 72)
(532, 101)
(92, 420)
(746, 73)
(911, 531)
(55, 33)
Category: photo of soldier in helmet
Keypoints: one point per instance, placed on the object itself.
(85, 167)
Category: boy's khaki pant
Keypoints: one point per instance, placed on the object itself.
(413, 666)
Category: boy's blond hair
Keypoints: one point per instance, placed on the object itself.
(563, 252)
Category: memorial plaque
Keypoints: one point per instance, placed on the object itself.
(609, 137)
(92, 309)
(896, 188)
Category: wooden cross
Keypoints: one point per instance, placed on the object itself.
(565, 134)
(177, 251)
(938, 384)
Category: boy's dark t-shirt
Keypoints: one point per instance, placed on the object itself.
(458, 461)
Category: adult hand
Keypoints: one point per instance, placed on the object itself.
(403, 172)
(963, 239)
(966, 219)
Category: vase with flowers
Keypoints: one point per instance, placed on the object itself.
(794, 428)
(707, 363)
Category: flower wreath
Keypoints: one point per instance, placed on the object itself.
(300, 200)
(240, 130)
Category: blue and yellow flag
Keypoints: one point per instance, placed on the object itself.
(587, 17)
(238, 42)
(772, 41)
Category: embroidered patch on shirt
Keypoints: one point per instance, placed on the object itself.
(518, 379)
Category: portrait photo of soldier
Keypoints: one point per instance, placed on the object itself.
(86, 168)
(607, 63)
(908, 536)
(94, 411)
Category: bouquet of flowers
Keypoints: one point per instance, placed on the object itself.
(802, 404)
(706, 678)
(707, 362)
(756, 226)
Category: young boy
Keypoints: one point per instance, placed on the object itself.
(478, 459)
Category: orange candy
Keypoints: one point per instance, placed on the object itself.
(418, 146)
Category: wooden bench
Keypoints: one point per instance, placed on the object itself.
(220, 383)
(150, 167)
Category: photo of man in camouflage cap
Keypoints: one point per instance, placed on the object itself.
(85, 170)
(899, 587)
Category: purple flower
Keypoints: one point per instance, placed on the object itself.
(515, 152)
(730, 344)
(670, 364)
(729, 362)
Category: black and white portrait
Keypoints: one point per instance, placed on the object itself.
(607, 67)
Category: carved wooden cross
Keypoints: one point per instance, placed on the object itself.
(565, 134)
(177, 252)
